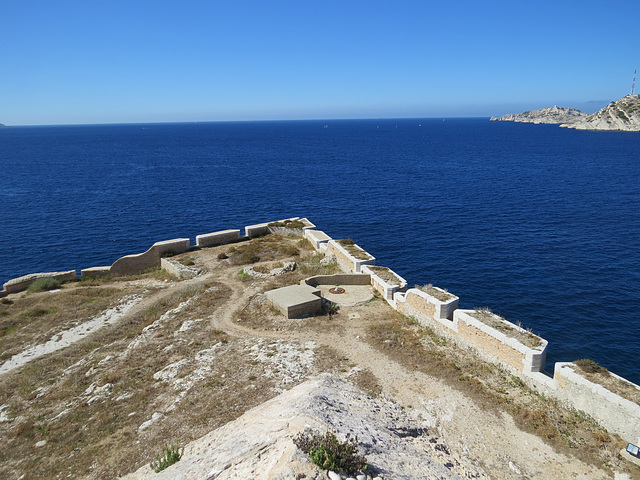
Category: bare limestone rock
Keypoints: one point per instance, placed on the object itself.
(551, 115)
(623, 115)
(259, 444)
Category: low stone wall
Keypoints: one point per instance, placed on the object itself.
(217, 238)
(386, 288)
(430, 306)
(299, 232)
(134, 264)
(177, 269)
(95, 271)
(347, 260)
(611, 411)
(262, 228)
(499, 345)
(22, 283)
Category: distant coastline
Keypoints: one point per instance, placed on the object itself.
(621, 115)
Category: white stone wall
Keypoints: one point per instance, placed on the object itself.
(217, 238)
(611, 411)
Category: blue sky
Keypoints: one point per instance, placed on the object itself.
(115, 61)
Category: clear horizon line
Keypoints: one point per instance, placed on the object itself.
(170, 122)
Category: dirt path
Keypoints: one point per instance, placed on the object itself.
(489, 440)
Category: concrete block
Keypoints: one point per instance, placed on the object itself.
(95, 272)
(296, 300)
(173, 247)
(217, 238)
(317, 238)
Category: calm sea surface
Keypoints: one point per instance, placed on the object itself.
(539, 223)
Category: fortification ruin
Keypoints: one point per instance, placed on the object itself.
(494, 338)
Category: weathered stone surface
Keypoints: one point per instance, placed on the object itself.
(262, 439)
(178, 269)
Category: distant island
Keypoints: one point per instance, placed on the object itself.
(552, 115)
(2, 125)
(621, 115)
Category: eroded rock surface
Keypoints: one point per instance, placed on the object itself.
(259, 444)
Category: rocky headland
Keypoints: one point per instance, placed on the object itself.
(621, 115)
(551, 115)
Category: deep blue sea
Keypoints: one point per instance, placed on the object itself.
(539, 223)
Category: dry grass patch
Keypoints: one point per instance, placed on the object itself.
(270, 247)
(36, 318)
(354, 250)
(386, 274)
(598, 374)
(438, 293)
(525, 337)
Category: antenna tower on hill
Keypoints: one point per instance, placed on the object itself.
(633, 85)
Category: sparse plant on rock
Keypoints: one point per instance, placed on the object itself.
(329, 453)
(170, 454)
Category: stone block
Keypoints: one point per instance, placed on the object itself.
(296, 300)
(95, 272)
(316, 238)
(217, 238)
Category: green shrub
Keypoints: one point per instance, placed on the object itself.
(328, 453)
(42, 284)
(170, 454)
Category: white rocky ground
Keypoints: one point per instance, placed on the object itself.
(260, 443)
(72, 335)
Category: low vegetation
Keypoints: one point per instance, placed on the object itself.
(598, 374)
(43, 284)
(294, 224)
(329, 453)
(354, 250)
(438, 293)
(386, 274)
(170, 454)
